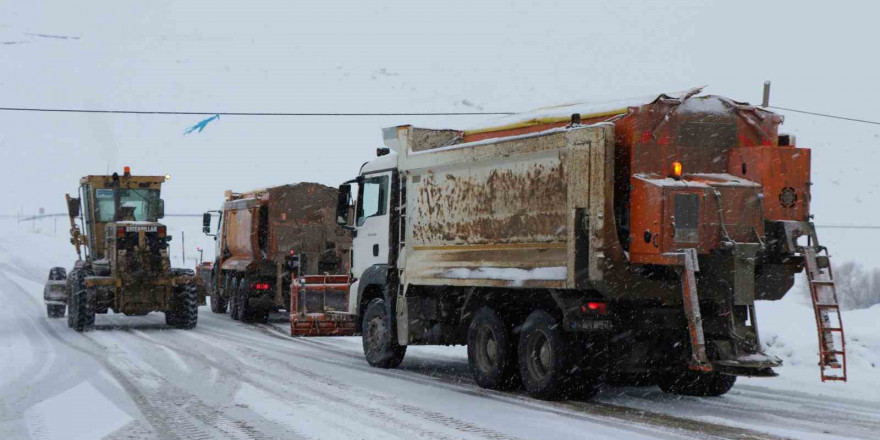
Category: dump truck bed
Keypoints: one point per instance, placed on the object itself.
(269, 224)
(505, 212)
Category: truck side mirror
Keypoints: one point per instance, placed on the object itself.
(72, 206)
(206, 223)
(160, 209)
(342, 204)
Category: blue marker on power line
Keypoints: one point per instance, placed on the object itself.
(201, 125)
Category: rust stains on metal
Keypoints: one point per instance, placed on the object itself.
(513, 203)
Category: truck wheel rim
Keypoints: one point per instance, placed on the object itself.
(540, 355)
(487, 349)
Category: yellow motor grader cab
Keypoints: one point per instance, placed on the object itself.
(122, 250)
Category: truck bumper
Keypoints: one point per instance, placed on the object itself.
(140, 296)
(323, 324)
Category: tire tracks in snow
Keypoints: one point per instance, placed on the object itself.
(188, 406)
(327, 389)
(626, 418)
(171, 420)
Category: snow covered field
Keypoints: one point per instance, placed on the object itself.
(133, 378)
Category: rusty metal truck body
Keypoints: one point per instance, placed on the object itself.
(268, 237)
(125, 267)
(618, 242)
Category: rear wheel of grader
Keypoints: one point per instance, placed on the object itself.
(74, 283)
(83, 309)
(55, 310)
(185, 312)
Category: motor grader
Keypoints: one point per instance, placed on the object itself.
(122, 254)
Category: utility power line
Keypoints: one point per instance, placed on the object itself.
(347, 114)
(825, 115)
(162, 112)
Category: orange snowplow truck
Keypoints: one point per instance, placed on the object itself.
(267, 239)
(589, 242)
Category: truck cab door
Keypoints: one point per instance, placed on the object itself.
(371, 238)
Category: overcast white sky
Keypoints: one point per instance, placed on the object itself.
(404, 56)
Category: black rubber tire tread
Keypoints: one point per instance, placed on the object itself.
(85, 315)
(187, 314)
(55, 310)
(503, 375)
(171, 318)
(57, 274)
(74, 283)
(219, 304)
(558, 382)
(231, 290)
(388, 353)
(241, 296)
(695, 383)
(91, 303)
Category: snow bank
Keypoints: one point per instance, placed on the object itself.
(788, 330)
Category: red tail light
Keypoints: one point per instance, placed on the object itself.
(595, 307)
(260, 286)
(161, 231)
(120, 232)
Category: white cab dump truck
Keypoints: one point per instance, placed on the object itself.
(571, 250)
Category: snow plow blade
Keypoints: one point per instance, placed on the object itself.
(315, 304)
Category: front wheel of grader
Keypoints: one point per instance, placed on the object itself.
(82, 309)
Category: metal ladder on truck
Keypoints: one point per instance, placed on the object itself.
(829, 324)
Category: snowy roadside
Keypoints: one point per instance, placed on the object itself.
(788, 330)
(787, 326)
(231, 380)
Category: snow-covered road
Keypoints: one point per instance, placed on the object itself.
(134, 378)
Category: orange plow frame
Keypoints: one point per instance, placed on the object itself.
(326, 323)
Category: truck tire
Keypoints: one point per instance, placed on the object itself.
(380, 343)
(55, 310)
(241, 300)
(695, 383)
(491, 351)
(544, 366)
(231, 292)
(246, 311)
(219, 302)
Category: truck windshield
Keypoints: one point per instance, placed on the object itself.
(143, 201)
